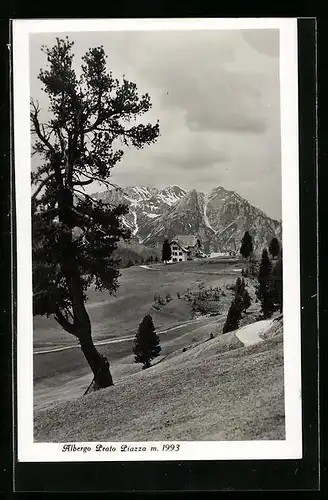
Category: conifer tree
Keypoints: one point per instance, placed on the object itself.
(264, 290)
(166, 251)
(274, 248)
(74, 234)
(246, 250)
(146, 345)
(234, 314)
(240, 286)
(278, 283)
(246, 247)
(246, 300)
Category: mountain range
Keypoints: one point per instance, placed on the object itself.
(219, 218)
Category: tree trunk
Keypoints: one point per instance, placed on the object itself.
(82, 329)
(98, 364)
(81, 326)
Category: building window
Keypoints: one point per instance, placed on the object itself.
(180, 260)
(180, 253)
(174, 259)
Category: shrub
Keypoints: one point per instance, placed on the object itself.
(168, 297)
(178, 295)
(146, 345)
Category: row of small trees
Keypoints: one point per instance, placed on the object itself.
(142, 260)
(269, 286)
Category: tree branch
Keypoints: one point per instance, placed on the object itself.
(92, 199)
(43, 183)
(82, 183)
(37, 129)
(64, 323)
(99, 179)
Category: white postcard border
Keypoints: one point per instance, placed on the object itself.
(28, 451)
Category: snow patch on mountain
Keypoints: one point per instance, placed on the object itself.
(151, 216)
(207, 222)
(136, 227)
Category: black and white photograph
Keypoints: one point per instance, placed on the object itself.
(158, 263)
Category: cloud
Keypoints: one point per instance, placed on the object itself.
(216, 95)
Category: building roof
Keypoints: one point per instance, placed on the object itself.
(186, 240)
(176, 242)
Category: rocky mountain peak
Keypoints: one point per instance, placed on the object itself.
(219, 218)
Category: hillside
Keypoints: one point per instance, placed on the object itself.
(214, 390)
(220, 218)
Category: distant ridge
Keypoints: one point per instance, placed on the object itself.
(219, 218)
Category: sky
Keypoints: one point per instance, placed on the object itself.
(216, 96)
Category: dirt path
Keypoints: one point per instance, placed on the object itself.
(250, 334)
(197, 321)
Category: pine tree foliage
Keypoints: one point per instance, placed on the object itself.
(147, 343)
(166, 251)
(264, 290)
(246, 247)
(274, 248)
(246, 300)
(234, 314)
(277, 285)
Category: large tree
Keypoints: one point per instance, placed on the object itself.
(92, 117)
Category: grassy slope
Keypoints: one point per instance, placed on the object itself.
(216, 390)
(114, 316)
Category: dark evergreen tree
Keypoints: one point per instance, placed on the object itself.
(151, 258)
(199, 244)
(239, 286)
(146, 345)
(234, 314)
(246, 247)
(264, 290)
(166, 251)
(274, 248)
(156, 258)
(277, 281)
(74, 234)
(246, 300)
